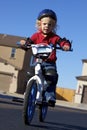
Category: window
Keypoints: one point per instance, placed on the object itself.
(13, 52)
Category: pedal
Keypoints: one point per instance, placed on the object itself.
(51, 103)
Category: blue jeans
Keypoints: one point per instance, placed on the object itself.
(51, 76)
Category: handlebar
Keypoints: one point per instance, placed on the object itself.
(60, 48)
(25, 46)
(28, 46)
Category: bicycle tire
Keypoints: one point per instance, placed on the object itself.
(29, 102)
(43, 108)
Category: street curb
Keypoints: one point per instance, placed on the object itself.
(71, 105)
(19, 98)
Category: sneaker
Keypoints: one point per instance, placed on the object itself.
(52, 102)
(50, 98)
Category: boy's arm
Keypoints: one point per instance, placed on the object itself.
(27, 41)
(64, 44)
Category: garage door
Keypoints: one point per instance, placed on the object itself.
(5, 80)
(84, 96)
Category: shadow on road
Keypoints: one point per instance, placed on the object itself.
(57, 126)
(63, 126)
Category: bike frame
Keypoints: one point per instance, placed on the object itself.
(38, 77)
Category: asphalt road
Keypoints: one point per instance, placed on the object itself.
(58, 118)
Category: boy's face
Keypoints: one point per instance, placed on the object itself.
(47, 25)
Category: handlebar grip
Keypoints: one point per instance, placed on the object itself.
(71, 50)
(24, 47)
(18, 43)
(60, 48)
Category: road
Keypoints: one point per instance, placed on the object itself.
(58, 118)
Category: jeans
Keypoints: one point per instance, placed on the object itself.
(51, 76)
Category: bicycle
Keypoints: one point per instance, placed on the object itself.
(36, 85)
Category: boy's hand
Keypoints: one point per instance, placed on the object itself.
(22, 42)
(65, 44)
(66, 48)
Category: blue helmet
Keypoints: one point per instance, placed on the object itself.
(47, 13)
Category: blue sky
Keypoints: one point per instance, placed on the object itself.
(18, 18)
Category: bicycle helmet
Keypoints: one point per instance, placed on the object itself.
(46, 13)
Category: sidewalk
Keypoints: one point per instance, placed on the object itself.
(71, 105)
(19, 97)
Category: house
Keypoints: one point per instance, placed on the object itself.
(81, 91)
(14, 64)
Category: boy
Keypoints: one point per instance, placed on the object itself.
(46, 24)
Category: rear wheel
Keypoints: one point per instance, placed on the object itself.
(43, 111)
(29, 102)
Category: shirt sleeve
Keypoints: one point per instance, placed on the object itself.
(34, 37)
(63, 41)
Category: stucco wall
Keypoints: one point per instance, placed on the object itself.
(65, 94)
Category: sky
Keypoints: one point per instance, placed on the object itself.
(18, 18)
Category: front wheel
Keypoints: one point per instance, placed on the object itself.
(43, 111)
(29, 102)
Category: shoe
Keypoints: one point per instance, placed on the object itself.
(52, 102)
(50, 98)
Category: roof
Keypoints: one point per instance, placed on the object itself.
(84, 60)
(9, 40)
(82, 78)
